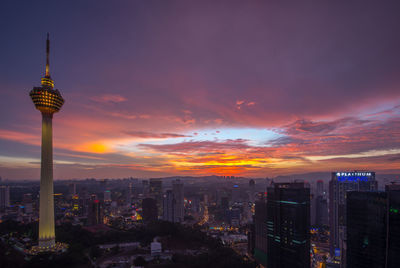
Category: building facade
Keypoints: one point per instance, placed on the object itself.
(149, 209)
(288, 225)
(156, 192)
(95, 211)
(339, 185)
(179, 207)
(366, 229)
(4, 197)
(260, 229)
(173, 203)
(373, 223)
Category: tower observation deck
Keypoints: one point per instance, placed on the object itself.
(48, 101)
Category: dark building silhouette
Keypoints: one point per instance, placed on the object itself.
(155, 192)
(321, 211)
(179, 204)
(339, 185)
(373, 238)
(252, 186)
(150, 210)
(393, 259)
(4, 197)
(95, 215)
(366, 229)
(168, 206)
(251, 238)
(225, 202)
(260, 228)
(288, 225)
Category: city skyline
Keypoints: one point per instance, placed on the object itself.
(168, 89)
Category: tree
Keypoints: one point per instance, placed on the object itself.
(139, 261)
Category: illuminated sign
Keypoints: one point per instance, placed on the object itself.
(353, 176)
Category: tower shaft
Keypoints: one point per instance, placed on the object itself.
(46, 217)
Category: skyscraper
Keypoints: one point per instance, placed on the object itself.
(320, 205)
(235, 194)
(71, 190)
(95, 212)
(373, 228)
(4, 197)
(48, 101)
(168, 206)
(149, 210)
(155, 192)
(177, 189)
(252, 185)
(173, 203)
(341, 183)
(260, 228)
(393, 242)
(107, 196)
(366, 229)
(288, 225)
(321, 214)
(320, 187)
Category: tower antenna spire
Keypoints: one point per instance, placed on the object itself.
(47, 75)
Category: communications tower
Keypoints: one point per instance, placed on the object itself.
(48, 101)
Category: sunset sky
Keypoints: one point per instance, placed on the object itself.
(244, 88)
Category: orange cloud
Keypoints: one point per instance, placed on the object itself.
(112, 98)
(19, 137)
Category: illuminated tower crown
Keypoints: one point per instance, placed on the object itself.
(47, 99)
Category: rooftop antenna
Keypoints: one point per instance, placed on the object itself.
(47, 75)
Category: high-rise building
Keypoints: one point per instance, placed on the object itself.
(179, 208)
(4, 197)
(75, 204)
(149, 209)
(28, 203)
(71, 190)
(320, 187)
(107, 196)
(234, 216)
(373, 229)
(168, 206)
(393, 192)
(235, 197)
(155, 192)
(251, 238)
(288, 225)
(313, 208)
(48, 101)
(84, 202)
(321, 207)
(173, 203)
(340, 184)
(252, 186)
(145, 188)
(260, 228)
(95, 213)
(366, 229)
(129, 194)
(224, 202)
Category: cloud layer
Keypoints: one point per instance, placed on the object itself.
(252, 89)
